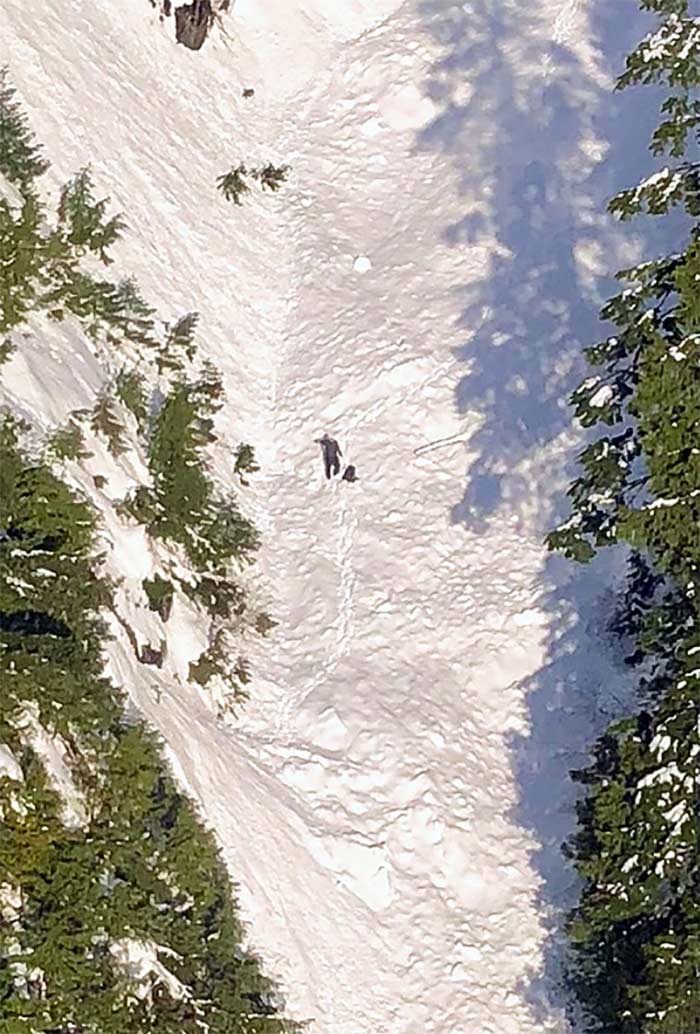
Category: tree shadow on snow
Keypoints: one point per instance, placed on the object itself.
(519, 114)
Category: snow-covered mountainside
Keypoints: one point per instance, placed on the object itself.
(392, 799)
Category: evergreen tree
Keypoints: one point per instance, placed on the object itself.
(20, 156)
(132, 394)
(23, 252)
(184, 506)
(179, 342)
(139, 873)
(68, 442)
(82, 220)
(636, 929)
(106, 422)
(136, 873)
(220, 661)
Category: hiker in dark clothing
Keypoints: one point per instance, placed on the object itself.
(349, 474)
(331, 453)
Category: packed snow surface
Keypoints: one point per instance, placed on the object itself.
(393, 799)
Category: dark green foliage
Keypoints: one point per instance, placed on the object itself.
(141, 504)
(219, 594)
(637, 852)
(180, 341)
(207, 394)
(113, 313)
(651, 369)
(42, 266)
(661, 192)
(20, 157)
(229, 534)
(82, 221)
(131, 393)
(233, 184)
(7, 348)
(183, 505)
(160, 594)
(42, 271)
(218, 661)
(68, 442)
(139, 869)
(182, 488)
(271, 177)
(683, 121)
(106, 422)
(636, 929)
(670, 56)
(23, 251)
(245, 462)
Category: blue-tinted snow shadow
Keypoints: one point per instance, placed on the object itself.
(514, 138)
(525, 322)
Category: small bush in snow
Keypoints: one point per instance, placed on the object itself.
(245, 462)
(271, 177)
(7, 348)
(219, 662)
(264, 623)
(233, 184)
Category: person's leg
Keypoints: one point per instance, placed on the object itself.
(336, 464)
(327, 464)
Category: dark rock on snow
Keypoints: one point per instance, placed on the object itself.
(153, 655)
(192, 23)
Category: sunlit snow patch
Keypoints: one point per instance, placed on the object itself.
(55, 756)
(9, 766)
(406, 108)
(140, 961)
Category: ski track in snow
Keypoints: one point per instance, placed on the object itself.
(367, 799)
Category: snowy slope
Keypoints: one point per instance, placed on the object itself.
(393, 798)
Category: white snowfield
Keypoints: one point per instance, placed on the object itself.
(393, 799)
